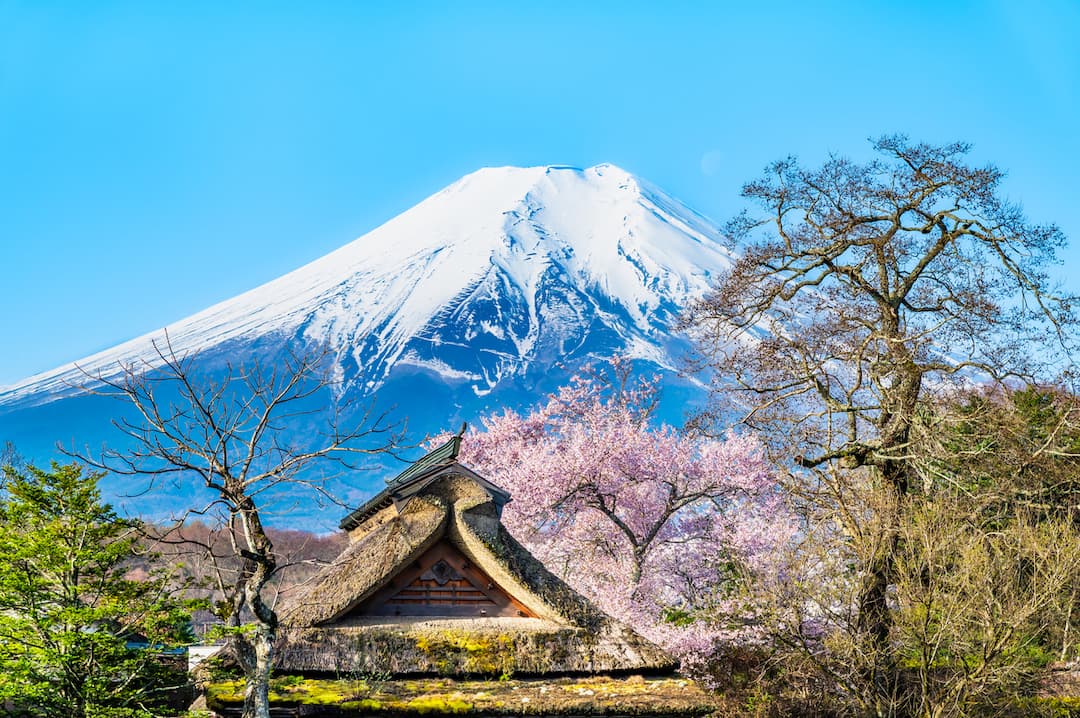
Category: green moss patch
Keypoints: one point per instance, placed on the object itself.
(291, 690)
(598, 696)
(1041, 707)
(467, 652)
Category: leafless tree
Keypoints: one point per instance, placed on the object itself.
(863, 289)
(244, 433)
(9, 455)
(201, 555)
(973, 599)
(1010, 452)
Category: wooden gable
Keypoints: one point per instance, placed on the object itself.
(441, 583)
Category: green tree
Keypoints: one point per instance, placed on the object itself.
(69, 614)
(1015, 446)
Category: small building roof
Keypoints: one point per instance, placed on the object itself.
(433, 539)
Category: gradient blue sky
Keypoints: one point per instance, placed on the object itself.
(156, 158)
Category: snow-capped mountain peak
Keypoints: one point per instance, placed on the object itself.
(506, 270)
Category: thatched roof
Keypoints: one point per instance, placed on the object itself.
(537, 624)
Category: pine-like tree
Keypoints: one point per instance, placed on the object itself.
(78, 637)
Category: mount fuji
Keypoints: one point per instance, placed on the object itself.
(486, 295)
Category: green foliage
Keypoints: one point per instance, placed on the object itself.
(678, 616)
(78, 636)
(1021, 447)
(1013, 452)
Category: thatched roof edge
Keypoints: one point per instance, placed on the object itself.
(368, 564)
(437, 649)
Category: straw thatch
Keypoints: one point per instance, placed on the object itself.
(541, 626)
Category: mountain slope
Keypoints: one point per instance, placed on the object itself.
(485, 296)
(506, 267)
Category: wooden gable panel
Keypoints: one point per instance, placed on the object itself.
(442, 582)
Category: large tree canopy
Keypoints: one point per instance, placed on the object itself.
(866, 292)
(865, 283)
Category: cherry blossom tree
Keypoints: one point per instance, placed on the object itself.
(660, 529)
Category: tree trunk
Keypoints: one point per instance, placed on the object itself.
(875, 617)
(874, 620)
(259, 566)
(258, 664)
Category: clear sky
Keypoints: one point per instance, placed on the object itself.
(156, 158)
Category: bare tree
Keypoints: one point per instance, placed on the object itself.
(244, 434)
(202, 556)
(972, 602)
(1011, 452)
(9, 456)
(866, 287)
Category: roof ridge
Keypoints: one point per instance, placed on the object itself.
(439, 458)
(442, 454)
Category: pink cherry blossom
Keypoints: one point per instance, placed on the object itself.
(640, 518)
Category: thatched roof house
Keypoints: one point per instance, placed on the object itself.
(432, 583)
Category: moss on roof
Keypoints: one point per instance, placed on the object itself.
(467, 648)
(368, 695)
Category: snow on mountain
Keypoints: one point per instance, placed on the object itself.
(505, 272)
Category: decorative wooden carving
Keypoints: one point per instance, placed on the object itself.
(441, 583)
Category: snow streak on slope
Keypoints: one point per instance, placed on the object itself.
(505, 268)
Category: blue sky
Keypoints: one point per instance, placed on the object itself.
(156, 158)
